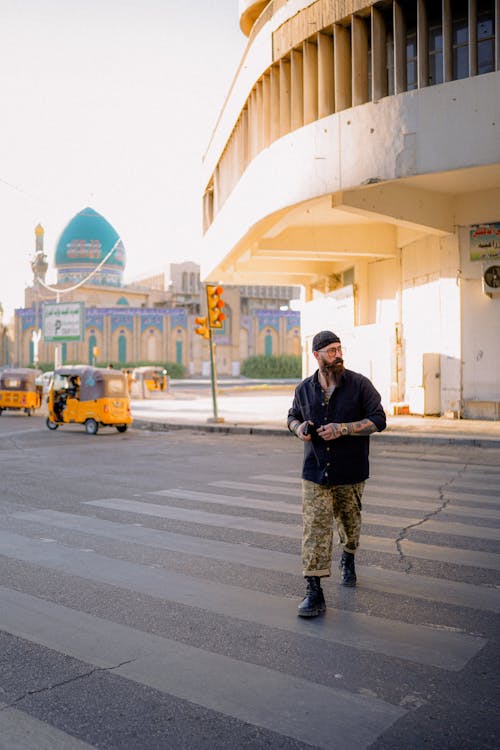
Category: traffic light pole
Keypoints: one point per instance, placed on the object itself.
(213, 375)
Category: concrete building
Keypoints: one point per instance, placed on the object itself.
(5, 342)
(149, 320)
(358, 155)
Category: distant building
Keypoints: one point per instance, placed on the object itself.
(151, 319)
(6, 348)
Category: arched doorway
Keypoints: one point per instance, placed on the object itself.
(92, 345)
(122, 349)
(268, 345)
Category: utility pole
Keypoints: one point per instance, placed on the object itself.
(213, 377)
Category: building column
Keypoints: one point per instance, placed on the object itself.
(342, 58)
(326, 84)
(274, 103)
(359, 47)
(399, 25)
(422, 45)
(297, 88)
(379, 69)
(285, 86)
(310, 73)
(447, 42)
(472, 20)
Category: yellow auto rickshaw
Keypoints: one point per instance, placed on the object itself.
(91, 396)
(19, 390)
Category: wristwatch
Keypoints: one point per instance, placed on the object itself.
(344, 429)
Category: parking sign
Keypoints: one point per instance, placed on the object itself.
(63, 321)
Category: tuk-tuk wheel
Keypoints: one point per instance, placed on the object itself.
(51, 425)
(29, 412)
(1, 410)
(122, 427)
(91, 427)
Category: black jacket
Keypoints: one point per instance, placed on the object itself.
(345, 460)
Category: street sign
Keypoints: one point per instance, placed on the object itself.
(63, 321)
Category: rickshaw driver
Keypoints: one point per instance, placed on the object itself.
(73, 388)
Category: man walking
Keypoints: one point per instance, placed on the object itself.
(333, 412)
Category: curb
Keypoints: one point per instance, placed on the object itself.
(389, 436)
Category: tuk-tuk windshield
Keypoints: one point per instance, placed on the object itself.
(116, 386)
(20, 380)
(11, 382)
(60, 382)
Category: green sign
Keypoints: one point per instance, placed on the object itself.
(485, 241)
(63, 321)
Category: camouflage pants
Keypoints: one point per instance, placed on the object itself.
(320, 506)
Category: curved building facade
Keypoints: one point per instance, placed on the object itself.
(358, 155)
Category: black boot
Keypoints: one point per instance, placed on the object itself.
(347, 569)
(314, 602)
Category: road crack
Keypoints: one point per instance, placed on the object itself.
(70, 680)
(408, 565)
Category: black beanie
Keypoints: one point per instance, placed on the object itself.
(323, 338)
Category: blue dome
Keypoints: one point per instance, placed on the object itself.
(83, 244)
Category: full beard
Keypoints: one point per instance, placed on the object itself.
(333, 369)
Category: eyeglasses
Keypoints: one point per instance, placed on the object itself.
(332, 351)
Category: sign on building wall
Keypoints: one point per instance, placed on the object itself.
(484, 241)
(63, 321)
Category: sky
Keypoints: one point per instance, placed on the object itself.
(108, 104)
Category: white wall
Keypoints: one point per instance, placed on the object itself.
(481, 330)
(431, 318)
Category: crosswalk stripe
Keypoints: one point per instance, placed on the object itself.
(434, 525)
(257, 695)
(416, 643)
(403, 492)
(436, 467)
(401, 477)
(21, 731)
(242, 554)
(456, 478)
(396, 582)
(427, 507)
(452, 555)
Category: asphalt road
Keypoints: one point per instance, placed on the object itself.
(149, 584)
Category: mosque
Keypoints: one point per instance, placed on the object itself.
(151, 319)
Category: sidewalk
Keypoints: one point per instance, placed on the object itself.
(263, 410)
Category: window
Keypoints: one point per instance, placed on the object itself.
(389, 57)
(411, 49)
(460, 42)
(435, 42)
(435, 54)
(411, 60)
(485, 36)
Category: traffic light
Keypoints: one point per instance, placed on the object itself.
(202, 328)
(215, 303)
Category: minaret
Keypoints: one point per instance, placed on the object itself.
(39, 264)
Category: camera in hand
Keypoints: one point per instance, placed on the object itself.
(309, 429)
